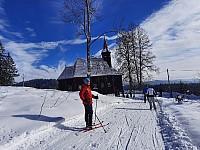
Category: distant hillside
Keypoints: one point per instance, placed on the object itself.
(40, 83)
(180, 86)
(156, 82)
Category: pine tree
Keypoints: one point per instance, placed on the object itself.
(2, 65)
(11, 70)
(8, 68)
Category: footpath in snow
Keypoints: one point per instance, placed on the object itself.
(131, 124)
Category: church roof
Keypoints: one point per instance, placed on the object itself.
(99, 67)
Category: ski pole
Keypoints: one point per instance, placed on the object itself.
(95, 111)
(101, 124)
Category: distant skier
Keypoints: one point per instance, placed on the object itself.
(151, 94)
(145, 93)
(160, 90)
(179, 98)
(86, 96)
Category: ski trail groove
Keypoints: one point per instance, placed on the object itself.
(129, 139)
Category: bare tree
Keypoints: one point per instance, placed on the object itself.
(124, 56)
(134, 56)
(145, 56)
(82, 13)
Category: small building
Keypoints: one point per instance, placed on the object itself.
(104, 79)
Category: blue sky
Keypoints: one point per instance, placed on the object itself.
(41, 44)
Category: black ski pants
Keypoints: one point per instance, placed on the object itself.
(88, 114)
(145, 97)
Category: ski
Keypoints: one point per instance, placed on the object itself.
(93, 127)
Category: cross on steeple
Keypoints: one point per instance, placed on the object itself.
(105, 53)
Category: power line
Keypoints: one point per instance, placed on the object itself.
(185, 70)
(163, 71)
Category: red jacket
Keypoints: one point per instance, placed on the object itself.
(86, 94)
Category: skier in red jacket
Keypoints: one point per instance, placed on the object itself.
(86, 96)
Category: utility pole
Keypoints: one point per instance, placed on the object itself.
(23, 77)
(169, 85)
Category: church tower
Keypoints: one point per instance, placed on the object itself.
(105, 53)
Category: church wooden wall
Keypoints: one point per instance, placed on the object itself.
(101, 84)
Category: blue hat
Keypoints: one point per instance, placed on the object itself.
(86, 80)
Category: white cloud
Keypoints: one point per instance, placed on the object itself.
(43, 71)
(62, 49)
(174, 32)
(31, 31)
(28, 55)
(3, 22)
(56, 20)
(56, 6)
(2, 10)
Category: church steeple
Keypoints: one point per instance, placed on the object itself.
(105, 53)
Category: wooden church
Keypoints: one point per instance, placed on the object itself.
(104, 79)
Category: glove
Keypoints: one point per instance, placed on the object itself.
(86, 100)
(96, 97)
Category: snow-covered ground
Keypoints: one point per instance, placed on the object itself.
(36, 119)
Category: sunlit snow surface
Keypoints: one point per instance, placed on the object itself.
(35, 119)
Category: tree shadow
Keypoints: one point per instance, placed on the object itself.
(41, 118)
(57, 120)
(132, 108)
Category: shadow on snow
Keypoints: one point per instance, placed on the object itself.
(133, 108)
(63, 127)
(58, 121)
(40, 118)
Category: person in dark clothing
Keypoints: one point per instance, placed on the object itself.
(86, 96)
(145, 93)
(160, 90)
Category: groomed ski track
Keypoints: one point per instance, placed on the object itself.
(132, 126)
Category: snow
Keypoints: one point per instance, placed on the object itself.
(131, 124)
